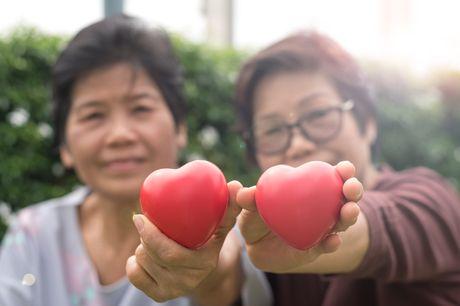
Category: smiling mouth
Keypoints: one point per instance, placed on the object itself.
(124, 165)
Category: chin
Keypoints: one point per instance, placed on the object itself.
(124, 191)
(127, 197)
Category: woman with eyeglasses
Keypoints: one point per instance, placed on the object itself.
(302, 99)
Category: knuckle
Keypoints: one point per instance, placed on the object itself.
(139, 250)
(165, 295)
(169, 256)
(141, 255)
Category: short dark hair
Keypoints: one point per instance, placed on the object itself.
(117, 39)
(304, 51)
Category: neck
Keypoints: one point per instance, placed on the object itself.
(369, 177)
(109, 234)
(110, 220)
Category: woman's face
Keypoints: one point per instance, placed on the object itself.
(287, 96)
(119, 129)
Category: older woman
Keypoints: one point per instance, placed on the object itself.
(119, 114)
(302, 99)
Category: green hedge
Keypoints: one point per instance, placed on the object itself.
(412, 133)
(30, 172)
(417, 124)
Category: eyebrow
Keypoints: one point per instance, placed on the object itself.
(269, 117)
(142, 95)
(129, 99)
(302, 103)
(88, 104)
(311, 97)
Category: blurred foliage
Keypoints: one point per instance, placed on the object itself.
(419, 122)
(209, 75)
(29, 169)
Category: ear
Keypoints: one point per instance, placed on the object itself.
(371, 131)
(181, 136)
(66, 157)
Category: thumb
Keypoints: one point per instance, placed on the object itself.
(232, 212)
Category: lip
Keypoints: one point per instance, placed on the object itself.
(122, 165)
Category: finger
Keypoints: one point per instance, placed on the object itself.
(171, 281)
(329, 244)
(232, 246)
(348, 216)
(214, 245)
(140, 278)
(346, 170)
(252, 226)
(246, 198)
(233, 210)
(149, 263)
(352, 189)
(150, 286)
(165, 250)
(230, 252)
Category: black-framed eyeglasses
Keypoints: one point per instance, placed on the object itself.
(319, 126)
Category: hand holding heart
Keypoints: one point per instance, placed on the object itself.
(186, 204)
(181, 253)
(286, 226)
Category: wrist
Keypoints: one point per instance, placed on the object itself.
(221, 287)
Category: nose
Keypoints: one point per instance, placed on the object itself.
(300, 145)
(120, 131)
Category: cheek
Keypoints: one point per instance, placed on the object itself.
(351, 143)
(83, 144)
(264, 162)
(161, 135)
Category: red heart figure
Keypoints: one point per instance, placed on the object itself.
(186, 204)
(301, 205)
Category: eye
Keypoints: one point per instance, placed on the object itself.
(321, 119)
(318, 114)
(92, 116)
(271, 130)
(274, 130)
(142, 109)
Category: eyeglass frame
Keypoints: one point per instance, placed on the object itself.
(344, 107)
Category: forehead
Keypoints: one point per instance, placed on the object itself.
(286, 92)
(112, 82)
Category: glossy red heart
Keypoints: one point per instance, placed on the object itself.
(301, 205)
(186, 204)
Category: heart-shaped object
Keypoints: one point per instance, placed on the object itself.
(301, 205)
(186, 204)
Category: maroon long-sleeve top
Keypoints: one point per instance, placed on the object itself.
(414, 251)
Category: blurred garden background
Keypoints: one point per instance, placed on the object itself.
(419, 113)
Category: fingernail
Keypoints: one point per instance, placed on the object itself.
(360, 194)
(139, 223)
(354, 180)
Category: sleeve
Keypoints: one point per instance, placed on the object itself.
(414, 225)
(18, 268)
(256, 289)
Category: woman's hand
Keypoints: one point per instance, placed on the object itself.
(269, 253)
(211, 275)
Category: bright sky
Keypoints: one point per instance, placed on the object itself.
(422, 37)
